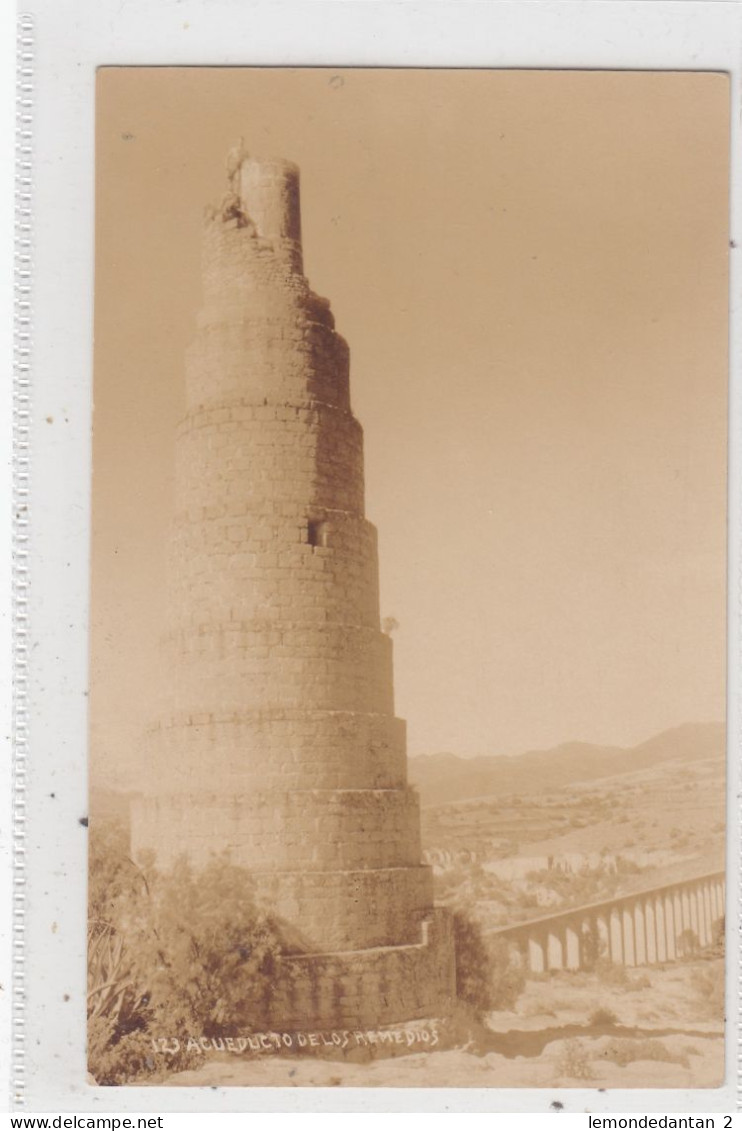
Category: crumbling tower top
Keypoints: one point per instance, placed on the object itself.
(269, 191)
(264, 194)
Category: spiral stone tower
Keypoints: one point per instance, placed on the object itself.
(279, 743)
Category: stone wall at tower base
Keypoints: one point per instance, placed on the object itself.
(367, 988)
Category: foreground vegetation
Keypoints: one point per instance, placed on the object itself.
(189, 953)
(168, 953)
(183, 953)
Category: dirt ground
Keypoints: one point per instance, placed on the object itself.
(658, 1028)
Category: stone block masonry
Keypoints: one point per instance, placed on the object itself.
(640, 928)
(279, 745)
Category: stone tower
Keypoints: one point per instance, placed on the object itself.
(279, 743)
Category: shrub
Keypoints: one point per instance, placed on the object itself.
(116, 997)
(718, 932)
(625, 866)
(688, 942)
(613, 974)
(593, 946)
(574, 1062)
(626, 1051)
(709, 985)
(486, 976)
(121, 1060)
(113, 878)
(206, 953)
(507, 980)
(601, 1018)
(117, 1000)
(169, 955)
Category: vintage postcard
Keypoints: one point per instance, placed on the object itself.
(409, 578)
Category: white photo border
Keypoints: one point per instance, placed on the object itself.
(72, 38)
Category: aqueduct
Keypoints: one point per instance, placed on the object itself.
(638, 929)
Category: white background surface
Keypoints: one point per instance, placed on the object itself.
(73, 37)
(7, 126)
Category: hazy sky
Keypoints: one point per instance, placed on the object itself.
(531, 271)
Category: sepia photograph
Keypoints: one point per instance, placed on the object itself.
(409, 578)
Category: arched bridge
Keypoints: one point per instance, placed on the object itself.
(638, 929)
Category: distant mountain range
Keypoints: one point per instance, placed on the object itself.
(442, 778)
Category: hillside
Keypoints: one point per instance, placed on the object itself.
(443, 778)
